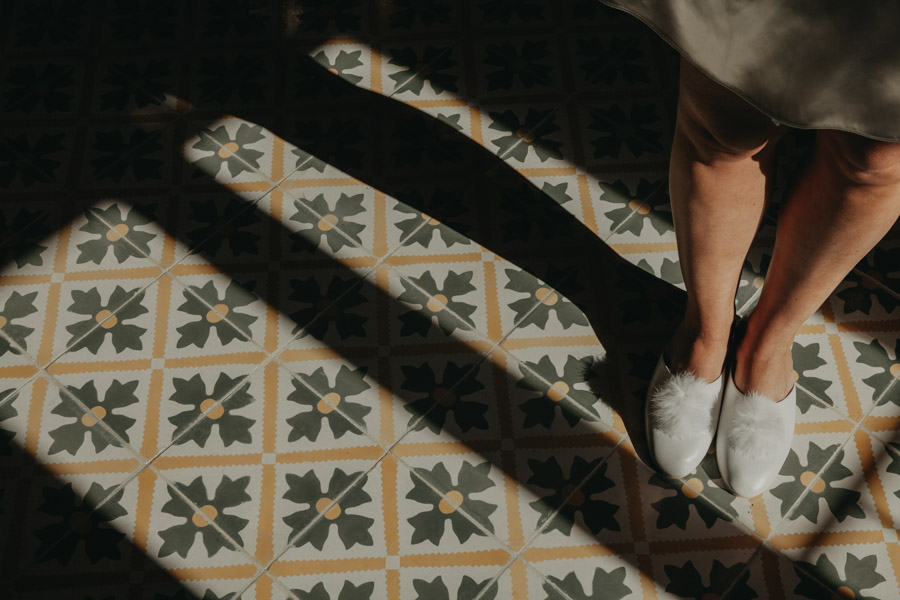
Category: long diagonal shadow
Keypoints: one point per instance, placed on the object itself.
(562, 252)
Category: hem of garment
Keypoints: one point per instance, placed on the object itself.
(777, 119)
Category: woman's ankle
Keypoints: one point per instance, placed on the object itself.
(700, 352)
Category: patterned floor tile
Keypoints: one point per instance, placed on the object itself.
(41, 88)
(596, 575)
(212, 314)
(231, 150)
(393, 550)
(620, 132)
(520, 67)
(613, 62)
(424, 71)
(868, 369)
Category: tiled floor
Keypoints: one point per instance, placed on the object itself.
(345, 300)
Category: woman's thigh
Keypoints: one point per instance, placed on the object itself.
(719, 123)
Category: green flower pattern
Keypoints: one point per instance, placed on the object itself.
(639, 130)
(17, 306)
(51, 81)
(331, 307)
(534, 215)
(675, 509)
(527, 133)
(607, 62)
(566, 495)
(71, 436)
(321, 403)
(468, 588)
(83, 525)
(342, 64)
(307, 490)
(349, 591)
(430, 525)
(132, 83)
(179, 539)
(542, 301)
(117, 154)
(228, 151)
(875, 355)
(810, 390)
(842, 503)
(218, 415)
(111, 229)
(197, 332)
(524, 64)
(606, 585)
(861, 574)
(102, 323)
(433, 65)
(218, 223)
(879, 267)
(419, 227)
(553, 401)
(649, 205)
(441, 398)
(687, 582)
(22, 233)
(30, 162)
(332, 227)
(437, 304)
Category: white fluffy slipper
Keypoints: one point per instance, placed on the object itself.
(681, 413)
(754, 440)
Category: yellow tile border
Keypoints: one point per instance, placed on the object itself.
(854, 407)
(788, 541)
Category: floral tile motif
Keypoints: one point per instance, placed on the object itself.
(78, 526)
(225, 503)
(105, 320)
(558, 392)
(635, 132)
(233, 82)
(23, 323)
(327, 509)
(231, 150)
(435, 217)
(35, 159)
(594, 577)
(143, 86)
(215, 410)
(442, 396)
(331, 403)
(517, 67)
(213, 315)
(329, 307)
(337, 221)
(701, 572)
(40, 89)
(197, 516)
(532, 137)
(569, 497)
(88, 417)
(862, 295)
(132, 156)
(440, 296)
(424, 71)
(871, 358)
(330, 145)
(408, 19)
(452, 503)
(619, 60)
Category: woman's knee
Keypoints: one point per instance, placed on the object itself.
(861, 160)
(719, 124)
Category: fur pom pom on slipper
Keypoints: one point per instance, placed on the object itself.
(683, 404)
(758, 426)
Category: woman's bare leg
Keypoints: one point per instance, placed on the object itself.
(843, 202)
(719, 178)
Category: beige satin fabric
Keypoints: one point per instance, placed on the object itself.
(812, 64)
